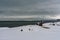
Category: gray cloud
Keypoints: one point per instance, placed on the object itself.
(18, 2)
(29, 7)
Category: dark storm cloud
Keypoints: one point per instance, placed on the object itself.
(29, 7)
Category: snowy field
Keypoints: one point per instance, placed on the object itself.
(31, 32)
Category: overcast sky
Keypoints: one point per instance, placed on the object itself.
(29, 7)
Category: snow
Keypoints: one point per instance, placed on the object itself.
(31, 32)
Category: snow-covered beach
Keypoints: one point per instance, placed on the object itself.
(31, 32)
